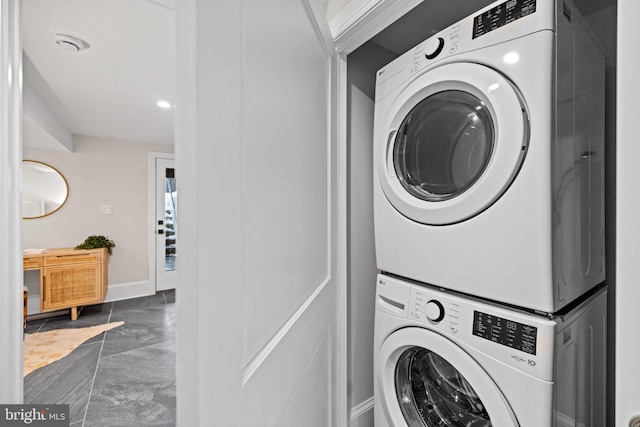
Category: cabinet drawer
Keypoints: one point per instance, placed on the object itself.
(80, 258)
(31, 263)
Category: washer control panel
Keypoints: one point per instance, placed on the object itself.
(440, 312)
(506, 332)
(519, 339)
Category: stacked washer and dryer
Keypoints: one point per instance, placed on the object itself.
(489, 224)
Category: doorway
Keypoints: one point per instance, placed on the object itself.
(163, 251)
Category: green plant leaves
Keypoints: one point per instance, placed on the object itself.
(97, 241)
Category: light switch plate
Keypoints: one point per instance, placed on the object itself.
(105, 210)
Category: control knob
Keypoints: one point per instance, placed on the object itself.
(434, 311)
(433, 47)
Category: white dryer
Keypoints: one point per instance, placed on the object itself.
(445, 360)
(489, 157)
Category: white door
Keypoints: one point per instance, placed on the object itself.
(257, 308)
(166, 197)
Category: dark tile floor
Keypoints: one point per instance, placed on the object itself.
(123, 377)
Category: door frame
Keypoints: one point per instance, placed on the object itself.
(354, 26)
(151, 212)
(11, 278)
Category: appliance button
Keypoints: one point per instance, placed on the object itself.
(434, 311)
(433, 47)
(453, 328)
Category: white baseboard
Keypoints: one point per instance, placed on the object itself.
(122, 291)
(117, 292)
(362, 414)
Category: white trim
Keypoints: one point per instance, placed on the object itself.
(627, 291)
(11, 276)
(118, 292)
(362, 19)
(362, 409)
(255, 363)
(315, 10)
(122, 291)
(151, 211)
(341, 158)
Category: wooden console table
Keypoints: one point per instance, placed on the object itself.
(70, 278)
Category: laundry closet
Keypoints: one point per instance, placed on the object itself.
(422, 22)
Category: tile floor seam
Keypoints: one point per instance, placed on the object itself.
(136, 349)
(42, 325)
(95, 372)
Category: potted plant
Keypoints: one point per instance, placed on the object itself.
(93, 242)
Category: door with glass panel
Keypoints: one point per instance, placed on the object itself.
(166, 224)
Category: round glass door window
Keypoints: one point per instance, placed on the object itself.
(443, 145)
(432, 393)
(451, 143)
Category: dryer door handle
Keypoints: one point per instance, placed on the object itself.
(391, 170)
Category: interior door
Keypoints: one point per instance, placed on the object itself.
(166, 224)
(258, 337)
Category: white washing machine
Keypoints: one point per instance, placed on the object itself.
(445, 360)
(489, 157)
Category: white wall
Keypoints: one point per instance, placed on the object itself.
(628, 215)
(99, 172)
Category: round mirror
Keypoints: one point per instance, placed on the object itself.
(44, 189)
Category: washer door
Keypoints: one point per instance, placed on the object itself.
(456, 139)
(425, 380)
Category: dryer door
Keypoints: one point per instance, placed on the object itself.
(425, 380)
(452, 143)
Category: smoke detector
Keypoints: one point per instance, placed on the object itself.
(70, 43)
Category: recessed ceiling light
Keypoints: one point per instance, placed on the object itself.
(70, 43)
(163, 104)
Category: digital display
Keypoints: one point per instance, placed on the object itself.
(505, 332)
(503, 14)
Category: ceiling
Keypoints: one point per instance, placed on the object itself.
(109, 90)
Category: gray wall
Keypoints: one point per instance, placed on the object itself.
(362, 66)
(603, 23)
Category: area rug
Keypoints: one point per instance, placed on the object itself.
(43, 348)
